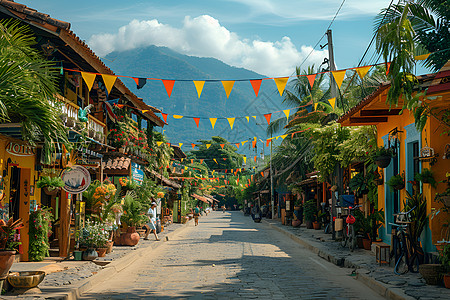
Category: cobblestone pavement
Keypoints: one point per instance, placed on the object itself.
(229, 256)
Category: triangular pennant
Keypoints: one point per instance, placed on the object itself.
(140, 82)
(109, 80)
(254, 117)
(281, 84)
(231, 121)
(286, 113)
(193, 146)
(228, 86)
(262, 174)
(255, 158)
(215, 161)
(284, 136)
(145, 110)
(237, 145)
(388, 68)
(268, 116)
(339, 77)
(159, 143)
(213, 122)
(222, 145)
(197, 121)
(208, 145)
(315, 106)
(243, 142)
(89, 79)
(199, 87)
(182, 159)
(180, 144)
(192, 161)
(256, 84)
(248, 119)
(362, 71)
(332, 102)
(254, 144)
(268, 142)
(168, 144)
(311, 79)
(164, 117)
(224, 158)
(251, 176)
(422, 57)
(168, 84)
(201, 162)
(245, 159)
(177, 117)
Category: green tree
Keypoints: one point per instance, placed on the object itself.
(233, 160)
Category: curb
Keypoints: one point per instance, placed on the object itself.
(361, 274)
(75, 292)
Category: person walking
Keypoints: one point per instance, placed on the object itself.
(152, 222)
(196, 214)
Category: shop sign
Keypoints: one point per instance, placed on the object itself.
(76, 179)
(137, 174)
(20, 150)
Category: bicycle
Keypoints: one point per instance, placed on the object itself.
(408, 253)
(327, 218)
(348, 232)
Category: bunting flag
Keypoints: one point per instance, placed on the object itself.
(182, 159)
(89, 79)
(362, 71)
(201, 162)
(224, 158)
(177, 117)
(284, 136)
(159, 143)
(213, 121)
(332, 102)
(168, 84)
(255, 158)
(422, 57)
(237, 180)
(254, 144)
(254, 117)
(197, 121)
(140, 82)
(199, 87)
(315, 106)
(248, 119)
(248, 180)
(339, 77)
(208, 145)
(237, 145)
(262, 174)
(388, 68)
(311, 79)
(192, 161)
(193, 146)
(268, 142)
(180, 144)
(215, 161)
(281, 84)
(222, 145)
(243, 142)
(231, 121)
(268, 116)
(109, 81)
(251, 176)
(245, 159)
(286, 113)
(256, 84)
(164, 117)
(228, 86)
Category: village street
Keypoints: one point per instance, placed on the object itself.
(230, 256)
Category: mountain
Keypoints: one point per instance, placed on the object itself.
(163, 63)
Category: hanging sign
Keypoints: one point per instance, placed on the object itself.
(76, 179)
(20, 150)
(137, 174)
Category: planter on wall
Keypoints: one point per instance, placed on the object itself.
(382, 161)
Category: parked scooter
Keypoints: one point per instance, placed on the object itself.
(256, 214)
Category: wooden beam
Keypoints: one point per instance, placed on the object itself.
(366, 120)
(380, 112)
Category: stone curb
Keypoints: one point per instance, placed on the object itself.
(75, 292)
(361, 274)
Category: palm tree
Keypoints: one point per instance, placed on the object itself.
(27, 87)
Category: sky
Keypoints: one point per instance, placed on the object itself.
(270, 37)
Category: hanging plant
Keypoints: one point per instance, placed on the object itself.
(426, 176)
(396, 182)
(40, 229)
(51, 185)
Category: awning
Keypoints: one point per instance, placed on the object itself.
(165, 181)
(201, 198)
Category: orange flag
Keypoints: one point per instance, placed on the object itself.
(251, 176)
(224, 158)
(197, 120)
(89, 79)
(237, 145)
(228, 86)
(192, 161)
(256, 84)
(262, 174)
(168, 84)
(388, 68)
(164, 117)
(201, 161)
(222, 145)
(254, 144)
(268, 116)
(255, 158)
(193, 146)
(311, 79)
(281, 84)
(268, 142)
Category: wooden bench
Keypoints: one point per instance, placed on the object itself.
(379, 248)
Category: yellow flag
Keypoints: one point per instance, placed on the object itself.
(245, 159)
(145, 110)
(315, 106)
(284, 136)
(286, 112)
(215, 161)
(199, 87)
(254, 117)
(332, 102)
(208, 145)
(362, 71)
(109, 81)
(422, 57)
(228, 86)
(281, 84)
(185, 168)
(231, 121)
(182, 159)
(243, 142)
(180, 144)
(339, 77)
(177, 117)
(89, 78)
(248, 119)
(159, 143)
(213, 121)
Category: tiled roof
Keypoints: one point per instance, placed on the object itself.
(117, 163)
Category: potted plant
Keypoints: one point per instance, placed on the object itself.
(133, 216)
(92, 237)
(70, 122)
(426, 176)
(39, 231)
(366, 227)
(382, 157)
(359, 184)
(310, 213)
(298, 213)
(51, 185)
(9, 244)
(396, 182)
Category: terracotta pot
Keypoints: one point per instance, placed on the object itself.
(101, 252)
(359, 242)
(382, 161)
(447, 280)
(316, 225)
(109, 247)
(90, 254)
(296, 223)
(309, 224)
(6, 261)
(367, 243)
(130, 238)
(431, 273)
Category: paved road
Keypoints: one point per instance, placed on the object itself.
(229, 256)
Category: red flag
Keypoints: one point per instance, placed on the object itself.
(168, 84)
(224, 158)
(311, 79)
(268, 142)
(256, 84)
(164, 117)
(197, 120)
(268, 116)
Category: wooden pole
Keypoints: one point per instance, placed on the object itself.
(64, 223)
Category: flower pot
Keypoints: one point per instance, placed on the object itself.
(399, 187)
(316, 225)
(6, 261)
(26, 279)
(382, 161)
(130, 238)
(77, 255)
(367, 244)
(309, 224)
(90, 254)
(296, 223)
(431, 273)
(109, 247)
(101, 252)
(51, 192)
(447, 280)
(359, 242)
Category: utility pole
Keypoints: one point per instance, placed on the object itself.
(272, 200)
(332, 66)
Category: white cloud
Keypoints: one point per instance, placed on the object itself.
(203, 36)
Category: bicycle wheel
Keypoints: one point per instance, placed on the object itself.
(401, 266)
(344, 236)
(351, 238)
